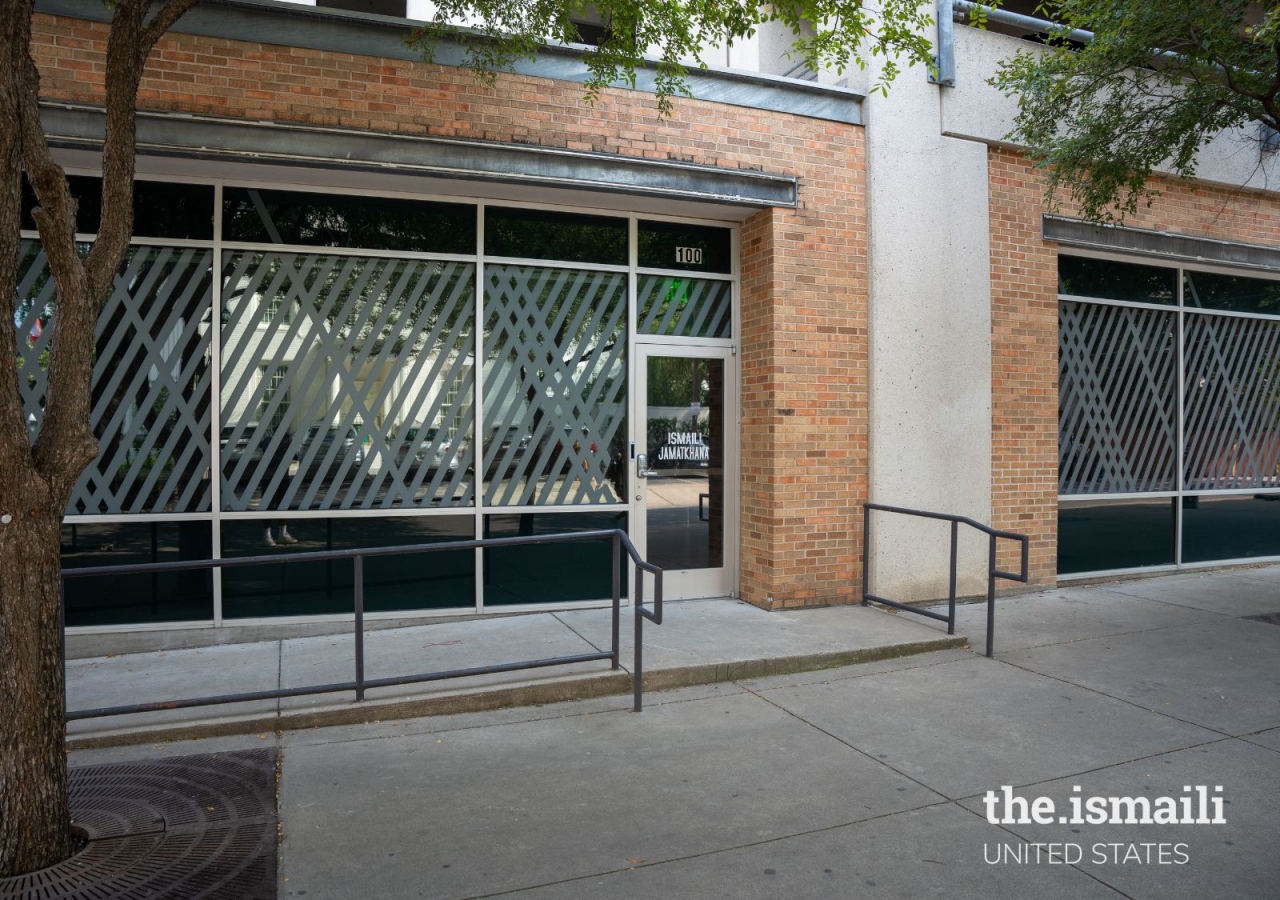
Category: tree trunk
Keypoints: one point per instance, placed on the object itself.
(34, 816)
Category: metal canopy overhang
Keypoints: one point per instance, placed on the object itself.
(207, 137)
(1165, 245)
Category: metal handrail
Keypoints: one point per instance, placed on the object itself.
(621, 542)
(993, 573)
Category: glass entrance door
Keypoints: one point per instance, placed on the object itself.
(686, 468)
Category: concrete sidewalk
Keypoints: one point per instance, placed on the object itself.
(861, 781)
(700, 642)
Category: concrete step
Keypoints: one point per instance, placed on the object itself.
(700, 642)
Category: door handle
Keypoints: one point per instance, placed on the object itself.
(642, 466)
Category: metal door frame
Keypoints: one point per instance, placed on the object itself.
(683, 584)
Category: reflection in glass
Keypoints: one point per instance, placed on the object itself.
(555, 386)
(151, 379)
(160, 209)
(347, 382)
(677, 245)
(684, 307)
(1231, 527)
(338, 220)
(1209, 290)
(552, 573)
(1096, 535)
(685, 446)
(441, 580)
(1107, 280)
(542, 234)
(135, 599)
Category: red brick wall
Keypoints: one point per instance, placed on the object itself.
(1024, 325)
(803, 350)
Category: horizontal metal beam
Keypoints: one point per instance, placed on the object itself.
(209, 137)
(1162, 244)
(963, 8)
(363, 34)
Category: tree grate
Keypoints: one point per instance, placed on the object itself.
(189, 828)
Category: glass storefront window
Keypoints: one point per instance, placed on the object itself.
(347, 382)
(253, 215)
(684, 307)
(151, 379)
(676, 245)
(1231, 405)
(1117, 399)
(1107, 280)
(1230, 527)
(160, 209)
(542, 234)
(555, 383)
(1235, 293)
(551, 573)
(1097, 535)
(439, 580)
(136, 599)
(1140, 388)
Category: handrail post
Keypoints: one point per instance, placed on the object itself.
(951, 596)
(617, 596)
(359, 603)
(866, 552)
(991, 595)
(638, 673)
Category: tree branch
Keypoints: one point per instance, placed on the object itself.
(161, 22)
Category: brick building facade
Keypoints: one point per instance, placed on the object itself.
(838, 317)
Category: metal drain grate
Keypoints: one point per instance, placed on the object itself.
(1269, 618)
(193, 827)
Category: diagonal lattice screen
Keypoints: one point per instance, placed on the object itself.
(347, 382)
(151, 379)
(685, 307)
(1117, 412)
(555, 384)
(1232, 402)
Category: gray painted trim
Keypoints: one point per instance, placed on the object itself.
(161, 134)
(362, 34)
(1162, 244)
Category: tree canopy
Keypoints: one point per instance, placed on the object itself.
(1158, 81)
(829, 34)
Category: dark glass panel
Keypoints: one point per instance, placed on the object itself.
(552, 573)
(685, 446)
(1232, 527)
(160, 209)
(1232, 292)
(1098, 535)
(137, 599)
(338, 220)
(673, 245)
(414, 581)
(1109, 280)
(539, 234)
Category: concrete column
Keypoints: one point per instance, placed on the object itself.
(930, 321)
